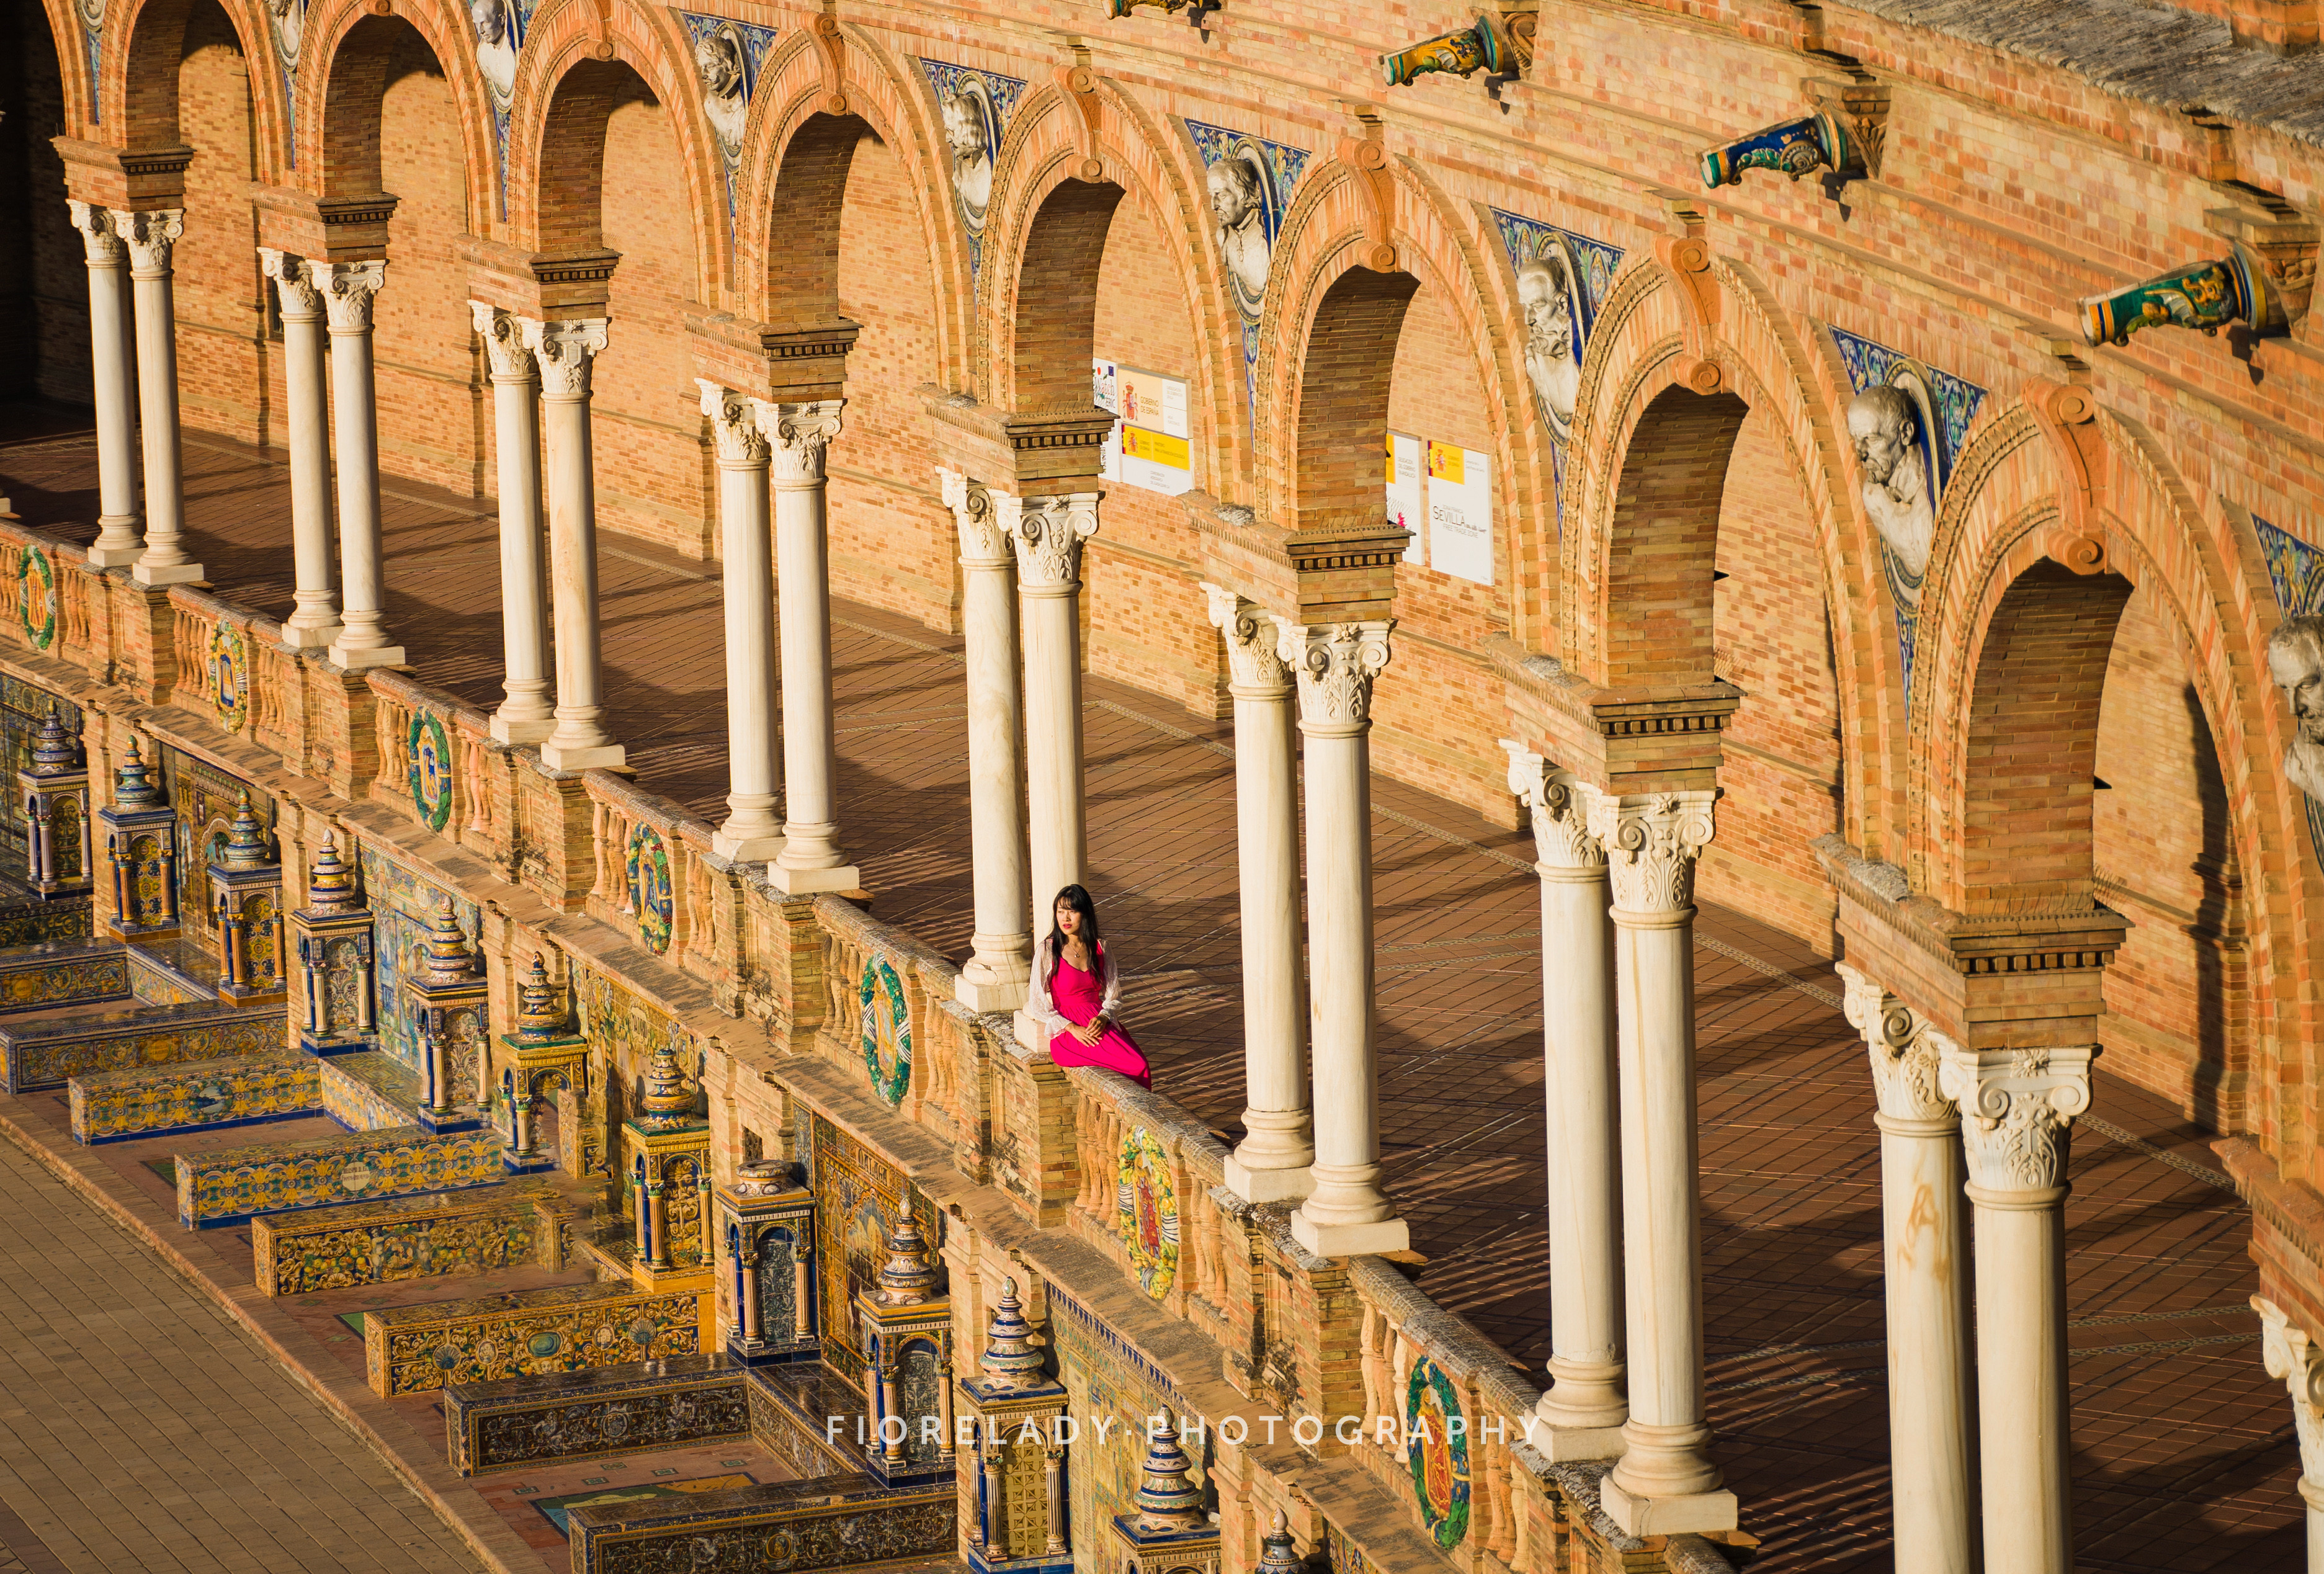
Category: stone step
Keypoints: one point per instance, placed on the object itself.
(832, 1522)
(48, 1054)
(637, 1405)
(413, 1237)
(200, 1095)
(807, 1416)
(233, 1184)
(417, 1350)
(369, 1090)
(173, 970)
(62, 972)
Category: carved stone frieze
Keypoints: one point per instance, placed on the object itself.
(1560, 805)
(1336, 664)
(99, 237)
(1049, 539)
(1905, 1051)
(1254, 656)
(1652, 841)
(348, 289)
(2016, 1106)
(294, 283)
(797, 435)
(504, 335)
(733, 425)
(565, 350)
(150, 237)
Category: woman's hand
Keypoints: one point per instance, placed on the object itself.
(1086, 1032)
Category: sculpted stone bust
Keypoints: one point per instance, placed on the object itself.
(495, 47)
(1545, 291)
(1236, 203)
(718, 60)
(1884, 425)
(2295, 660)
(289, 17)
(971, 156)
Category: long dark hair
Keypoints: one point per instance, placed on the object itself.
(1078, 899)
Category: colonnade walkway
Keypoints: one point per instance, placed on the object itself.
(2184, 1455)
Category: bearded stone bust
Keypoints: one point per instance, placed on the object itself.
(1546, 292)
(972, 158)
(1885, 426)
(2295, 660)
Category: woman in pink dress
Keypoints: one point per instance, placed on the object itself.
(1077, 986)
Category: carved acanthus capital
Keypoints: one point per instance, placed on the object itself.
(294, 284)
(986, 519)
(2016, 1107)
(1652, 841)
(504, 335)
(348, 289)
(799, 433)
(1336, 664)
(733, 425)
(1048, 538)
(150, 236)
(1560, 805)
(1254, 654)
(98, 238)
(2295, 1360)
(565, 351)
(1905, 1051)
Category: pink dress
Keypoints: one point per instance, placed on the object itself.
(1077, 995)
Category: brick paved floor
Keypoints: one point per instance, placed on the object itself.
(2184, 1455)
(142, 1429)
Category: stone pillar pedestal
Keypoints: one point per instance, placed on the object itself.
(1272, 1163)
(150, 237)
(998, 971)
(1924, 1269)
(2018, 1107)
(751, 832)
(314, 623)
(1666, 1483)
(348, 289)
(810, 860)
(523, 716)
(1345, 1212)
(120, 538)
(1587, 1403)
(563, 352)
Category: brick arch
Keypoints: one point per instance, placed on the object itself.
(137, 74)
(576, 57)
(342, 83)
(788, 144)
(72, 66)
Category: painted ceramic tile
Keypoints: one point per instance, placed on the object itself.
(403, 903)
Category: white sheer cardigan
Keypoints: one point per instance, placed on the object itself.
(1042, 1008)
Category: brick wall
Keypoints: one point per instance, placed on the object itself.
(221, 327)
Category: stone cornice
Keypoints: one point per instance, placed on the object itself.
(1621, 740)
(791, 363)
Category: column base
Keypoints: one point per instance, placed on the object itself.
(1284, 1186)
(356, 659)
(317, 638)
(808, 882)
(104, 557)
(585, 756)
(1376, 1239)
(1687, 1514)
(987, 995)
(1566, 1445)
(758, 849)
(521, 729)
(145, 573)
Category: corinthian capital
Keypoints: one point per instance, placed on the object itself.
(1336, 663)
(348, 289)
(1652, 841)
(2294, 1359)
(798, 433)
(294, 284)
(1560, 803)
(564, 351)
(733, 425)
(1905, 1051)
(98, 238)
(986, 519)
(1254, 653)
(2016, 1105)
(504, 335)
(150, 236)
(1049, 539)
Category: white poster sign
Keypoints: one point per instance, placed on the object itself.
(1148, 447)
(1461, 512)
(1407, 478)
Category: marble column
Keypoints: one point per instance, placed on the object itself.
(563, 352)
(2018, 1107)
(1271, 1163)
(1926, 1282)
(150, 237)
(314, 622)
(1047, 541)
(1345, 1212)
(751, 833)
(120, 537)
(999, 969)
(1665, 1483)
(810, 860)
(2294, 1359)
(523, 715)
(1587, 1403)
(348, 291)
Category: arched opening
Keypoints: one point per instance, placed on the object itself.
(1056, 297)
(1343, 396)
(1662, 549)
(43, 288)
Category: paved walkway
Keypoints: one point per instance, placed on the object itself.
(2183, 1451)
(142, 1429)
